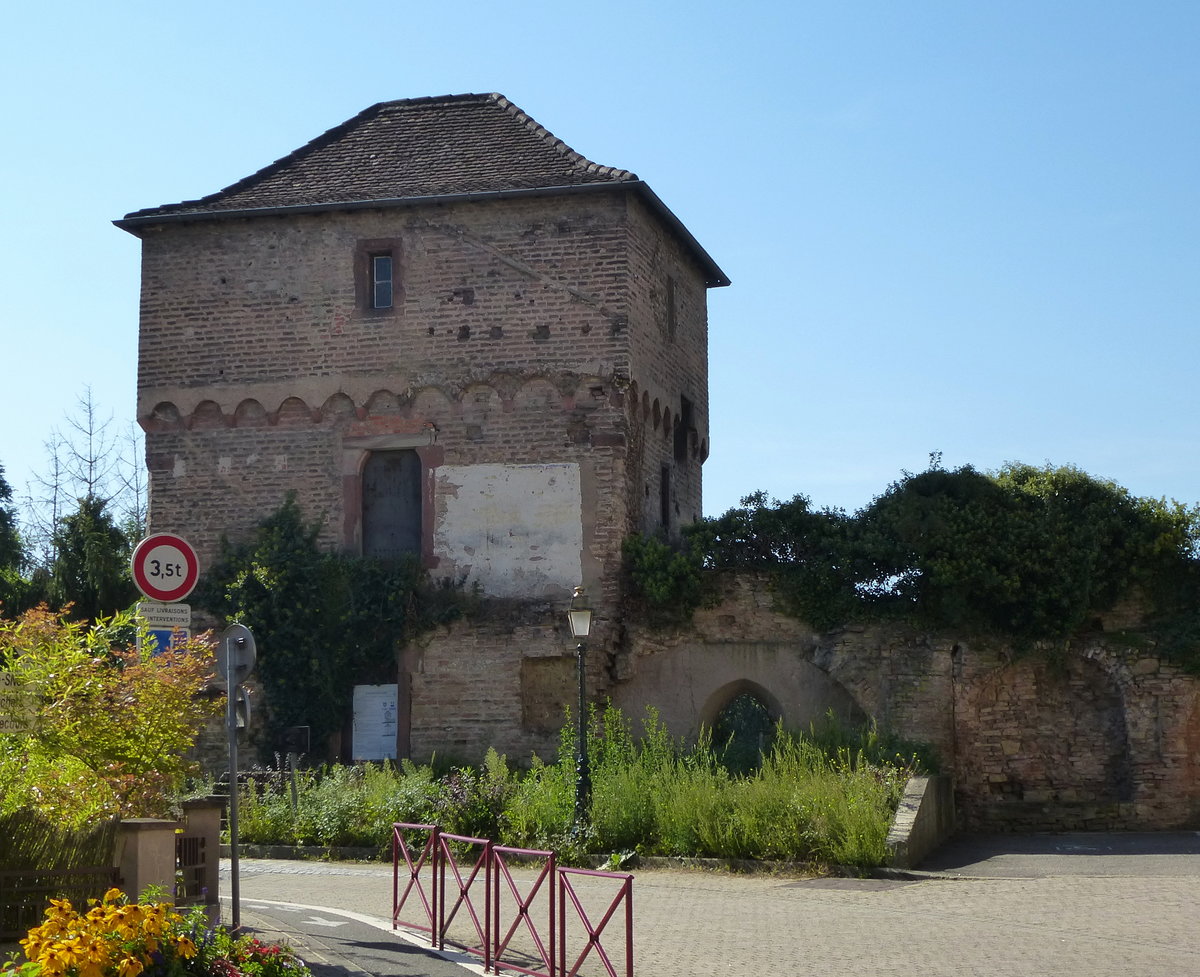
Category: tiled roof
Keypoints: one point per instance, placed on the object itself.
(418, 147)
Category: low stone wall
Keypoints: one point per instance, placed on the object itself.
(924, 821)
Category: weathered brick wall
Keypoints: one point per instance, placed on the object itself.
(1107, 737)
(669, 358)
(516, 339)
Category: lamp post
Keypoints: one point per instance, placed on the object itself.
(579, 615)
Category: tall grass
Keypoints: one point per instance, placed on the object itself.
(825, 797)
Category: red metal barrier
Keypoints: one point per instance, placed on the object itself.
(463, 899)
(624, 895)
(428, 857)
(439, 855)
(524, 902)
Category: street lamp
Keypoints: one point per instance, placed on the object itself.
(579, 615)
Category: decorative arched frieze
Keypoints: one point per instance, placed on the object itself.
(250, 413)
(207, 417)
(293, 412)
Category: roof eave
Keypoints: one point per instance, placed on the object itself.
(713, 276)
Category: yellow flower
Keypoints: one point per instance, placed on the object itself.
(112, 895)
(185, 947)
(129, 967)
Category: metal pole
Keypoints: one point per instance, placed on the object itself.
(583, 775)
(231, 723)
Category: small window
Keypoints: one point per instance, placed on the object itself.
(381, 281)
(378, 276)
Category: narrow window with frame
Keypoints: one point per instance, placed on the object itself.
(378, 277)
(382, 291)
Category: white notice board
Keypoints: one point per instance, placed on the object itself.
(374, 722)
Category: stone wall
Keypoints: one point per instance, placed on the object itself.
(1105, 736)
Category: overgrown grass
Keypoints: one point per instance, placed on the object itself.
(825, 797)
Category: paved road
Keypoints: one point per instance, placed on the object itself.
(1069, 905)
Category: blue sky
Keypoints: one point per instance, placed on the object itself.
(951, 226)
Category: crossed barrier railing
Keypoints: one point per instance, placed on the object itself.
(426, 862)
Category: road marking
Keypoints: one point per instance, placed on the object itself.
(318, 921)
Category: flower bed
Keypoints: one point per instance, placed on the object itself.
(116, 938)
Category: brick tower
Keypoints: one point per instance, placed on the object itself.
(443, 329)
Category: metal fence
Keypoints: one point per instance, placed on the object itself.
(462, 891)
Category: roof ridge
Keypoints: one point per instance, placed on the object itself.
(539, 130)
(576, 162)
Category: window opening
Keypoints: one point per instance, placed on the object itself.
(743, 733)
(391, 505)
(381, 281)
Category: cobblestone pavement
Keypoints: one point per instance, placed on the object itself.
(1060, 919)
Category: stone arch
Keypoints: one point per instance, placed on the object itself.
(743, 728)
(250, 413)
(293, 412)
(383, 402)
(1044, 746)
(536, 393)
(164, 417)
(338, 405)
(722, 697)
(207, 416)
(433, 405)
(691, 683)
(479, 401)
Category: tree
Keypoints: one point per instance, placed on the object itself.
(90, 572)
(85, 459)
(11, 554)
(111, 727)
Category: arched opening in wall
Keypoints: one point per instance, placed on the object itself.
(742, 724)
(391, 505)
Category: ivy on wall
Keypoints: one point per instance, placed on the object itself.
(323, 622)
(1032, 554)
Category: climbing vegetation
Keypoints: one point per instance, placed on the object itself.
(323, 622)
(1031, 554)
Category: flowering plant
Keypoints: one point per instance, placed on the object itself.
(116, 938)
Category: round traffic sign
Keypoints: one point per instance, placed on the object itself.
(165, 567)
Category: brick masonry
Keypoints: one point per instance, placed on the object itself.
(526, 332)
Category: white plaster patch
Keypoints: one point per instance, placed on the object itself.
(516, 530)
(180, 468)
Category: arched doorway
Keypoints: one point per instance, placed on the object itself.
(741, 717)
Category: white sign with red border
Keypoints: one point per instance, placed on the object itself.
(165, 567)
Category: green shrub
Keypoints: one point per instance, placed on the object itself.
(827, 797)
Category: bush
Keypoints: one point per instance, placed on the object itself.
(827, 796)
(110, 726)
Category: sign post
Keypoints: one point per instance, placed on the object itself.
(235, 659)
